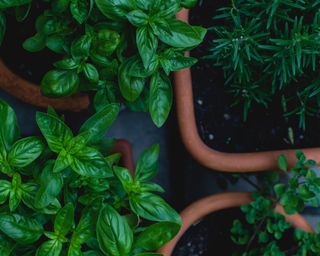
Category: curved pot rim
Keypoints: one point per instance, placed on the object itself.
(208, 157)
(199, 209)
(29, 92)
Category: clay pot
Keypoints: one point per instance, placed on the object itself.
(196, 211)
(30, 93)
(208, 157)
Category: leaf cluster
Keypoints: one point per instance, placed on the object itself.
(264, 228)
(65, 194)
(270, 50)
(122, 50)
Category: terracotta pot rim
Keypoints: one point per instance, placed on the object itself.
(29, 92)
(123, 147)
(201, 208)
(208, 157)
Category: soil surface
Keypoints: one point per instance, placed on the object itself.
(30, 66)
(221, 125)
(211, 236)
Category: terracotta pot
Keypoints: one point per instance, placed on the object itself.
(208, 157)
(208, 205)
(124, 148)
(30, 93)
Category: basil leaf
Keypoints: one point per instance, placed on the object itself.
(172, 61)
(21, 229)
(138, 18)
(35, 43)
(4, 4)
(50, 186)
(147, 44)
(59, 6)
(182, 35)
(91, 73)
(156, 236)
(189, 3)
(15, 192)
(161, 97)
(56, 133)
(115, 9)
(9, 131)
(125, 177)
(80, 10)
(4, 190)
(91, 163)
(99, 123)
(25, 151)
(114, 234)
(64, 220)
(147, 164)
(3, 26)
(50, 248)
(57, 44)
(66, 64)
(6, 246)
(80, 47)
(152, 207)
(60, 83)
(83, 232)
(131, 87)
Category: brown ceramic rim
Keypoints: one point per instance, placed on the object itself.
(30, 93)
(208, 157)
(124, 148)
(196, 211)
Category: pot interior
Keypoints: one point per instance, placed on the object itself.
(220, 124)
(211, 236)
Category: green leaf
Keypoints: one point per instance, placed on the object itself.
(80, 47)
(154, 208)
(83, 232)
(21, 229)
(64, 220)
(50, 248)
(35, 43)
(181, 35)
(56, 133)
(115, 9)
(189, 3)
(156, 236)
(60, 6)
(9, 130)
(161, 97)
(25, 151)
(66, 64)
(130, 86)
(138, 18)
(80, 9)
(280, 189)
(91, 73)
(4, 4)
(125, 178)
(4, 190)
(90, 162)
(60, 83)
(173, 61)
(114, 234)
(147, 164)
(50, 186)
(99, 123)
(15, 192)
(282, 162)
(3, 26)
(147, 44)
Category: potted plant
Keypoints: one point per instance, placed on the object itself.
(65, 194)
(213, 131)
(268, 223)
(123, 51)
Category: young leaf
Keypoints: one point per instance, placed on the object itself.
(161, 97)
(99, 123)
(138, 18)
(114, 234)
(125, 177)
(64, 220)
(115, 9)
(4, 190)
(147, 164)
(80, 9)
(282, 162)
(50, 248)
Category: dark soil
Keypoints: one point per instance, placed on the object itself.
(211, 236)
(30, 66)
(221, 125)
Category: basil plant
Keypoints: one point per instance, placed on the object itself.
(65, 194)
(123, 50)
